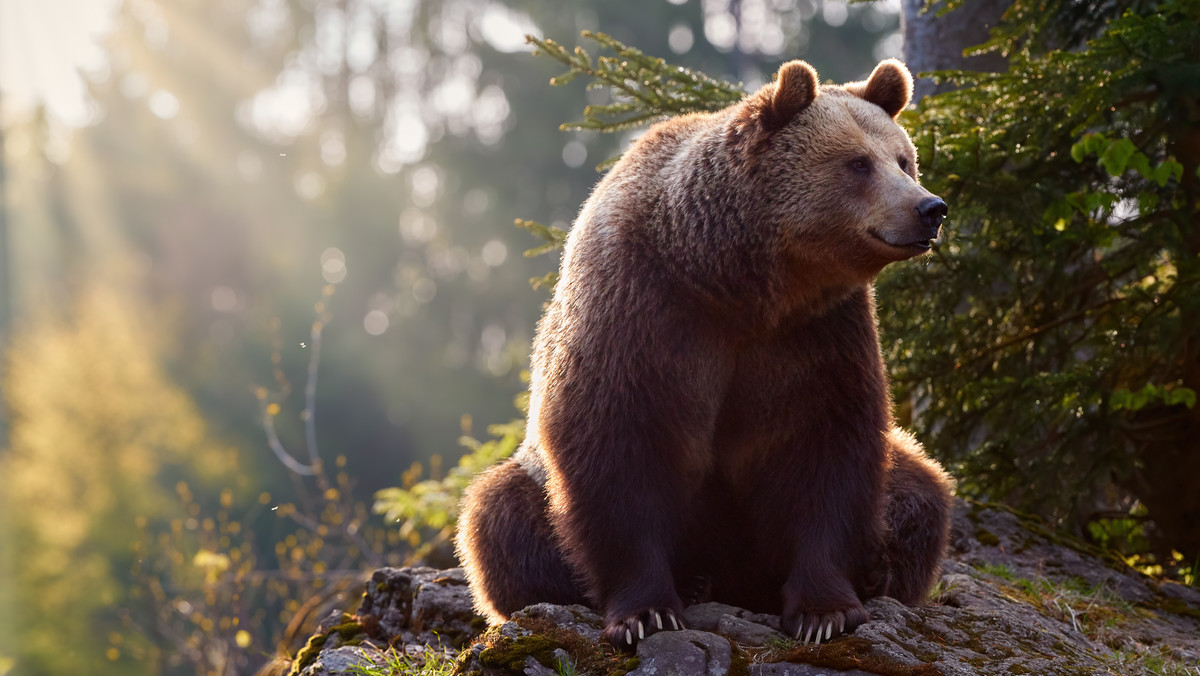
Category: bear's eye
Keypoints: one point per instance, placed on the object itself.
(861, 165)
(904, 164)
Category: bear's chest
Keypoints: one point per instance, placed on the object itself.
(798, 393)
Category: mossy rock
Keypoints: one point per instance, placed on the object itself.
(851, 652)
(512, 653)
(348, 632)
(308, 654)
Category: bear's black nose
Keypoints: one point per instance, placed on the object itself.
(931, 211)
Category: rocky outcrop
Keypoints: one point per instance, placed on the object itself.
(1014, 598)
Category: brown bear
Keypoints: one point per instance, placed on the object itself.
(708, 399)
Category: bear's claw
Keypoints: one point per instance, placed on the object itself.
(817, 627)
(827, 630)
(627, 632)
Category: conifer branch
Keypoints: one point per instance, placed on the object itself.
(646, 88)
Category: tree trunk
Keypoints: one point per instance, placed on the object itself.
(1167, 479)
(933, 42)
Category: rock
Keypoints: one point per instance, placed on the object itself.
(346, 661)
(1014, 598)
(535, 668)
(512, 648)
(746, 632)
(576, 619)
(789, 669)
(1002, 639)
(683, 652)
(1028, 549)
(421, 605)
(707, 616)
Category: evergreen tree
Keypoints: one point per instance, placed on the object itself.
(1048, 349)
(1051, 343)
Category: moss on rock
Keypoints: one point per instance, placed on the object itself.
(512, 653)
(850, 652)
(308, 654)
(986, 537)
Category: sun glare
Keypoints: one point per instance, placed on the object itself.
(44, 47)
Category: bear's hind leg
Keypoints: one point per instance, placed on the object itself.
(918, 518)
(507, 547)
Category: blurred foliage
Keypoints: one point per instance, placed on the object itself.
(97, 428)
(1050, 344)
(205, 595)
(426, 511)
(211, 601)
(242, 157)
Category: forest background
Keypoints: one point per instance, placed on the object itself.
(172, 225)
(258, 268)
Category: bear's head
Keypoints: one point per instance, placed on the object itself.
(839, 175)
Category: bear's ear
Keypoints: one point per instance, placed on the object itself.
(890, 87)
(795, 89)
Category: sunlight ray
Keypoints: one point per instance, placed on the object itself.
(41, 54)
(243, 72)
(94, 216)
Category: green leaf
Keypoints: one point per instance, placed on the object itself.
(1078, 151)
(1165, 172)
(1140, 163)
(564, 78)
(608, 164)
(543, 249)
(552, 235)
(1116, 156)
(1181, 395)
(1090, 143)
(1058, 211)
(583, 56)
(546, 281)
(1149, 394)
(1120, 399)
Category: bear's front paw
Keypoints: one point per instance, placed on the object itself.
(627, 631)
(819, 626)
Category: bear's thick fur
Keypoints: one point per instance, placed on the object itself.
(709, 409)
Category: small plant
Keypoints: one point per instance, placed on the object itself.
(213, 593)
(427, 511)
(429, 661)
(774, 649)
(563, 667)
(998, 570)
(940, 592)
(1156, 661)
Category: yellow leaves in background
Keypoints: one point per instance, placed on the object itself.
(94, 422)
(212, 563)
